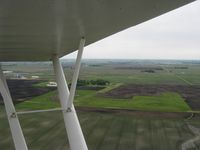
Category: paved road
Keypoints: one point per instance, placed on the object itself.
(190, 143)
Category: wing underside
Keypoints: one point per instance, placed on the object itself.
(34, 30)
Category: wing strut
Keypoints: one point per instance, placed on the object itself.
(72, 125)
(16, 131)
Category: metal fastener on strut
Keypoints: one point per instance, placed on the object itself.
(13, 115)
(68, 109)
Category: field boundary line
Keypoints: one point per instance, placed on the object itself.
(38, 111)
(191, 142)
(186, 81)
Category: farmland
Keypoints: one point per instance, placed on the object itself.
(22, 90)
(118, 71)
(103, 131)
(145, 103)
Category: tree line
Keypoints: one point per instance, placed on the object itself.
(98, 82)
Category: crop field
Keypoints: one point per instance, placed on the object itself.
(118, 71)
(146, 105)
(189, 94)
(164, 102)
(22, 90)
(103, 131)
(148, 97)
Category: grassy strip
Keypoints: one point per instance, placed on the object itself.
(165, 102)
(170, 102)
(45, 101)
(110, 87)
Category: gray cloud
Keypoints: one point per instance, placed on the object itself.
(175, 35)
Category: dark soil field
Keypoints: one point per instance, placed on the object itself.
(191, 94)
(23, 89)
(141, 114)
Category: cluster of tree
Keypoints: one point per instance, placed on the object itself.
(141, 68)
(148, 70)
(99, 82)
(181, 67)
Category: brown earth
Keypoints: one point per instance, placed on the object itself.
(191, 94)
(141, 114)
(23, 89)
(139, 68)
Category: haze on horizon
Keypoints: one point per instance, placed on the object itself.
(174, 35)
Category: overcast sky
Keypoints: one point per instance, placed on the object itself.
(174, 35)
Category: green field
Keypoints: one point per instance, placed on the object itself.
(117, 75)
(170, 73)
(45, 101)
(164, 102)
(103, 131)
(109, 130)
(170, 102)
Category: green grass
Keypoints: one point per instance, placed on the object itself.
(164, 102)
(88, 98)
(44, 101)
(110, 87)
(170, 102)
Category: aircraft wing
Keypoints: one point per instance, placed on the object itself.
(34, 30)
